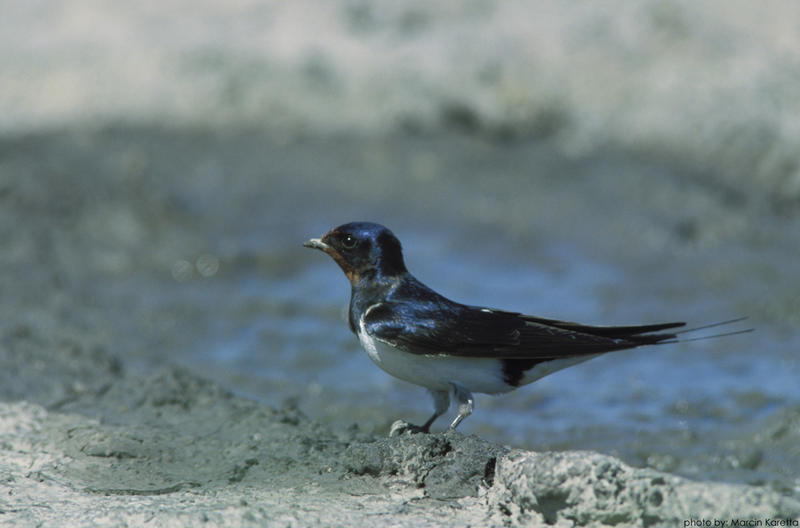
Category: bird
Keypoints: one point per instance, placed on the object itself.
(418, 335)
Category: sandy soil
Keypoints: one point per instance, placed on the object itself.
(174, 450)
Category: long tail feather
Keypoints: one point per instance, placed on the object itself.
(701, 338)
(642, 334)
(712, 325)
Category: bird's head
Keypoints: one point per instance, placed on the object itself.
(363, 250)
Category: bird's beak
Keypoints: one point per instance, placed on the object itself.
(316, 243)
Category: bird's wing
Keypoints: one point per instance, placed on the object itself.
(605, 331)
(468, 331)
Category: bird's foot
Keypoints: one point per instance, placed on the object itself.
(401, 427)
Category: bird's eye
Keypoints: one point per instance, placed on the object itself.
(349, 242)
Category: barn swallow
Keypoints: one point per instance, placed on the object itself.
(420, 336)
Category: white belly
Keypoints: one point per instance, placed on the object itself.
(483, 375)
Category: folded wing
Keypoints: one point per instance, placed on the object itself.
(468, 331)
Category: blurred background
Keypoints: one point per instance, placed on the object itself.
(606, 162)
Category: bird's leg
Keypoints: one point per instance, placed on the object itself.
(465, 403)
(441, 402)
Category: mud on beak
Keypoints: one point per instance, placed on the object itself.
(317, 243)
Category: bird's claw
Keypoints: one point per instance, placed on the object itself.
(401, 427)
